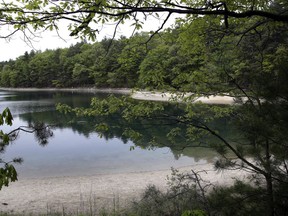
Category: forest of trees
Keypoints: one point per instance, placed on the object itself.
(124, 62)
(109, 63)
(232, 48)
(176, 59)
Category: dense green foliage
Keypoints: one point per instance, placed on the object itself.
(102, 64)
(234, 48)
(162, 63)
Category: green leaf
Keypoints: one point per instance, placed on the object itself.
(5, 139)
(102, 127)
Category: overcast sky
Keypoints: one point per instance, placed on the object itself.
(16, 45)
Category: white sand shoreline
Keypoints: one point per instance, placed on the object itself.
(138, 95)
(162, 96)
(39, 195)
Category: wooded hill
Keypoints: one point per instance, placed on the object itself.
(178, 58)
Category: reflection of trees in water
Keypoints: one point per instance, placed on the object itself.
(152, 133)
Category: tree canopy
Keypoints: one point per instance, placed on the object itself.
(86, 17)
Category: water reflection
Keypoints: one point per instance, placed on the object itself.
(76, 149)
(149, 129)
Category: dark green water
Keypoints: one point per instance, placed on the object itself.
(76, 149)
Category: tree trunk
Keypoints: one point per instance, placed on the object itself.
(269, 182)
(270, 197)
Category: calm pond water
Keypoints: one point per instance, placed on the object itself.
(75, 148)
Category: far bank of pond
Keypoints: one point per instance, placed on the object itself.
(136, 94)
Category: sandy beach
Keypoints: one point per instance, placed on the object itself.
(138, 95)
(158, 96)
(77, 194)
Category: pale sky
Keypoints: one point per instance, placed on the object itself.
(16, 45)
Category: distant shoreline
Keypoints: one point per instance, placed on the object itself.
(81, 90)
(137, 95)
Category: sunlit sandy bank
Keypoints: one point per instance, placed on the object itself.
(83, 192)
(158, 96)
(139, 95)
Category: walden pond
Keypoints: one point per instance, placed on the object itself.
(75, 148)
